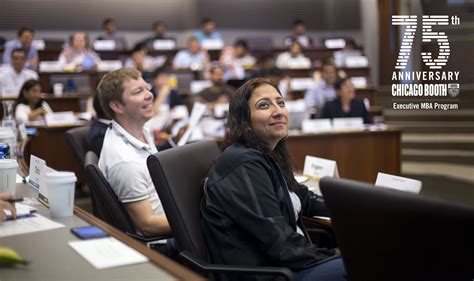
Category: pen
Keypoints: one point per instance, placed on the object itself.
(13, 200)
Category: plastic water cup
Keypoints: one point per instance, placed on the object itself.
(60, 187)
(8, 169)
(58, 89)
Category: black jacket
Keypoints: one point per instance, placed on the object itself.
(248, 217)
(333, 109)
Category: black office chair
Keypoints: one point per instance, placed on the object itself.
(109, 208)
(387, 234)
(177, 174)
(76, 138)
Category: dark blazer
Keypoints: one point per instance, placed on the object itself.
(248, 217)
(95, 139)
(333, 109)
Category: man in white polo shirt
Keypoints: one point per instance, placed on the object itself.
(13, 76)
(125, 97)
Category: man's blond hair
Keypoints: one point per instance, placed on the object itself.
(111, 88)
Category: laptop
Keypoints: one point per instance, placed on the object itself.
(386, 234)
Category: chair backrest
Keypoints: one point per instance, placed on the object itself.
(177, 174)
(76, 138)
(387, 234)
(109, 208)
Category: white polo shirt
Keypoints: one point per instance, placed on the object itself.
(11, 81)
(123, 162)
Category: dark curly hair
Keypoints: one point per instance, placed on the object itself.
(239, 129)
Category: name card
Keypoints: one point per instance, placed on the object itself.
(109, 65)
(355, 62)
(301, 84)
(351, 123)
(359, 82)
(398, 183)
(60, 118)
(335, 43)
(316, 125)
(50, 66)
(38, 44)
(316, 168)
(212, 44)
(164, 44)
(199, 85)
(36, 167)
(104, 45)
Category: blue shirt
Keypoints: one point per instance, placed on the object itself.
(201, 36)
(14, 44)
(318, 95)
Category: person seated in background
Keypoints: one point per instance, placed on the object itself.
(13, 76)
(236, 59)
(30, 106)
(111, 34)
(345, 105)
(348, 51)
(140, 59)
(193, 58)
(159, 33)
(79, 56)
(24, 41)
(100, 123)
(252, 205)
(207, 31)
(299, 34)
(125, 98)
(218, 92)
(293, 58)
(267, 69)
(5, 205)
(162, 91)
(323, 91)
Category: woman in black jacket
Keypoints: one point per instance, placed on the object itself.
(252, 204)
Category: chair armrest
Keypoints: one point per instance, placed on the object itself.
(150, 240)
(218, 268)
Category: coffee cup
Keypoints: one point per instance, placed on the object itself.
(60, 187)
(8, 169)
(58, 89)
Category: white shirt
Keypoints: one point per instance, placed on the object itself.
(23, 110)
(123, 162)
(319, 94)
(285, 60)
(11, 81)
(296, 202)
(186, 59)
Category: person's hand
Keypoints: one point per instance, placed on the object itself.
(36, 113)
(4, 205)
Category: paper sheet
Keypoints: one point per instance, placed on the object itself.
(26, 225)
(107, 252)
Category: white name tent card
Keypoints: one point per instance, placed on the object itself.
(60, 118)
(104, 45)
(335, 43)
(301, 84)
(38, 44)
(356, 61)
(36, 167)
(107, 252)
(164, 44)
(316, 125)
(50, 66)
(212, 44)
(199, 85)
(315, 168)
(350, 123)
(109, 65)
(359, 82)
(399, 183)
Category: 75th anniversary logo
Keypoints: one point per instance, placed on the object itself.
(434, 83)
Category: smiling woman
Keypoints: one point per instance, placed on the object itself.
(252, 203)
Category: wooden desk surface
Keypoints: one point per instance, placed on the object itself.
(360, 155)
(53, 259)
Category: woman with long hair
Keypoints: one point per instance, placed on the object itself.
(29, 105)
(252, 205)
